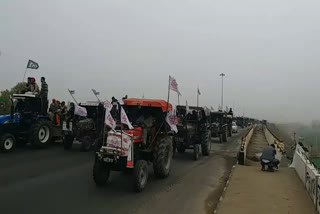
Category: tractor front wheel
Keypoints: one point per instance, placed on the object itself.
(206, 143)
(140, 175)
(196, 151)
(162, 157)
(101, 172)
(7, 142)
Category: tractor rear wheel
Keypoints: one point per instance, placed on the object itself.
(162, 157)
(140, 175)
(101, 172)
(7, 142)
(40, 133)
(196, 151)
(206, 143)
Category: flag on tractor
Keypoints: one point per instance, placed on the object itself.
(173, 85)
(81, 111)
(109, 121)
(172, 120)
(124, 119)
(95, 92)
(32, 64)
(72, 92)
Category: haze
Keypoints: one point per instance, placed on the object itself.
(269, 51)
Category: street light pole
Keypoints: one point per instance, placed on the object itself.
(222, 75)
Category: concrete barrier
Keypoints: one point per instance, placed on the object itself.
(307, 173)
(244, 144)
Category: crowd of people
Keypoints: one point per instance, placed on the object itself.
(58, 111)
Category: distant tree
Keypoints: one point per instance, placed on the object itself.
(6, 95)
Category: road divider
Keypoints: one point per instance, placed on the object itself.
(274, 139)
(244, 144)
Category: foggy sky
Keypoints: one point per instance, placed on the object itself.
(269, 51)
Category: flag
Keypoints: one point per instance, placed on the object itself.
(199, 93)
(71, 91)
(124, 119)
(81, 111)
(32, 64)
(173, 85)
(107, 105)
(109, 121)
(172, 121)
(95, 92)
(187, 108)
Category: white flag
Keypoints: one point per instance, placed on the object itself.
(108, 120)
(107, 105)
(81, 111)
(124, 119)
(173, 84)
(172, 120)
(187, 108)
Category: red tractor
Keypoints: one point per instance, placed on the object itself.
(150, 141)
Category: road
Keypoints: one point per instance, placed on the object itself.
(58, 181)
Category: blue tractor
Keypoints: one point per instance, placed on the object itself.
(25, 123)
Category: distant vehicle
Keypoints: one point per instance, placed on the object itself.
(234, 127)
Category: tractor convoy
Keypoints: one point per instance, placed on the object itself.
(154, 131)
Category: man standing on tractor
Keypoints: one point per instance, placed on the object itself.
(63, 111)
(34, 86)
(53, 110)
(44, 95)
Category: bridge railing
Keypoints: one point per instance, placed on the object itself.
(307, 173)
(242, 155)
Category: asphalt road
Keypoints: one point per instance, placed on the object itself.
(58, 181)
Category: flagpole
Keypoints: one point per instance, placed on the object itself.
(168, 94)
(198, 97)
(24, 76)
(73, 97)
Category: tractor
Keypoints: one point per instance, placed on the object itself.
(25, 123)
(219, 125)
(87, 130)
(194, 131)
(131, 150)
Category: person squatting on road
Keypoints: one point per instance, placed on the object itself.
(44, 95)
(268, 158)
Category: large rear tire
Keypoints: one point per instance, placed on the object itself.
(140, 175)
(101, 172)
(40, 133)
(162, 157)
(7, 142)
(206, 143)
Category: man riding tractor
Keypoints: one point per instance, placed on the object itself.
(131, 148)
